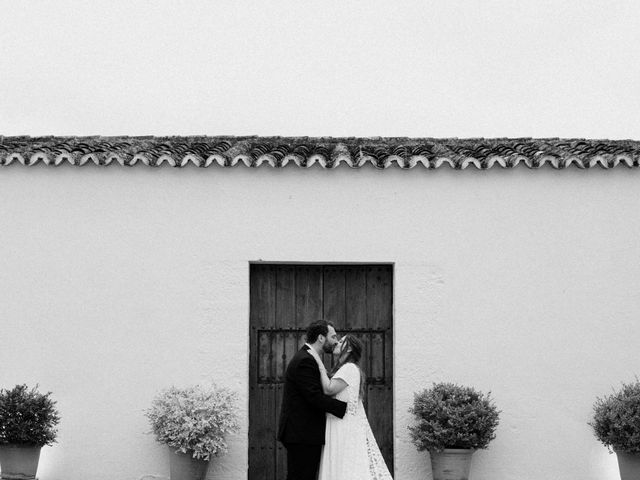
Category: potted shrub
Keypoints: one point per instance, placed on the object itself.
(616, 423)
(452, 423)
(193, 423)
(27, 423)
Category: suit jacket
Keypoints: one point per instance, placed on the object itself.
(302, 416)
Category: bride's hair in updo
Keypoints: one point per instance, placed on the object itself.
(354, 356)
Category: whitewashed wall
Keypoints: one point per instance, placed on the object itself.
(117, 282)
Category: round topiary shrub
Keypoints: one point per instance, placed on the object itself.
(27, 417)
(616, 419)
(453, 416)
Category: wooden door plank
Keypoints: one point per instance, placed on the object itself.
(377, 357)
(333, 301)
(387, 288)
(285, 316)
(263, 453)
(279, 450)
(285, 297)
(308, 295)
(265, 354)
(262, 296)
(262, 396)
(261, 310)
(380, 391)
(379, 296)
(380, 414)
(355, 297)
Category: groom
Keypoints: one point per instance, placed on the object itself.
(302, 416)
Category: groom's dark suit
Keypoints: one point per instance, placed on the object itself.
(302, 416)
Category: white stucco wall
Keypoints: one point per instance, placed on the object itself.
(117, 282)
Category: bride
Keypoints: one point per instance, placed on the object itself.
(350, 451)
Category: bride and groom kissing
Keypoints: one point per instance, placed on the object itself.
(323, 425)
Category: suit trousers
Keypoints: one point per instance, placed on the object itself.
(303, 461)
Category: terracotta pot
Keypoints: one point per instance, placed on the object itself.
(629, 464)
(451, 464)
(184, 467)
(19, 462)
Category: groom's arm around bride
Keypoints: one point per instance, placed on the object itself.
(302, 416)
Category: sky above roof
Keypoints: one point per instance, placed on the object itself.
(333, 68)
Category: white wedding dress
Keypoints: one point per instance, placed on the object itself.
(350, 450)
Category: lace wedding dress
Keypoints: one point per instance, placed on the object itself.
(350, 451)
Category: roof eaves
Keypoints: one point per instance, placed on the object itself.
(327, 152)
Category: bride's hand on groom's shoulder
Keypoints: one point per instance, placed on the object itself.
(321, 366)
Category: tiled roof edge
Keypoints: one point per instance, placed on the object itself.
(327, 152)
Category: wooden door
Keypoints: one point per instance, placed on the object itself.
(284, 299)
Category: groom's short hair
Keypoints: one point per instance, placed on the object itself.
(317, 328)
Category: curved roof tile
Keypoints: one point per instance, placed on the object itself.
(328, 152)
